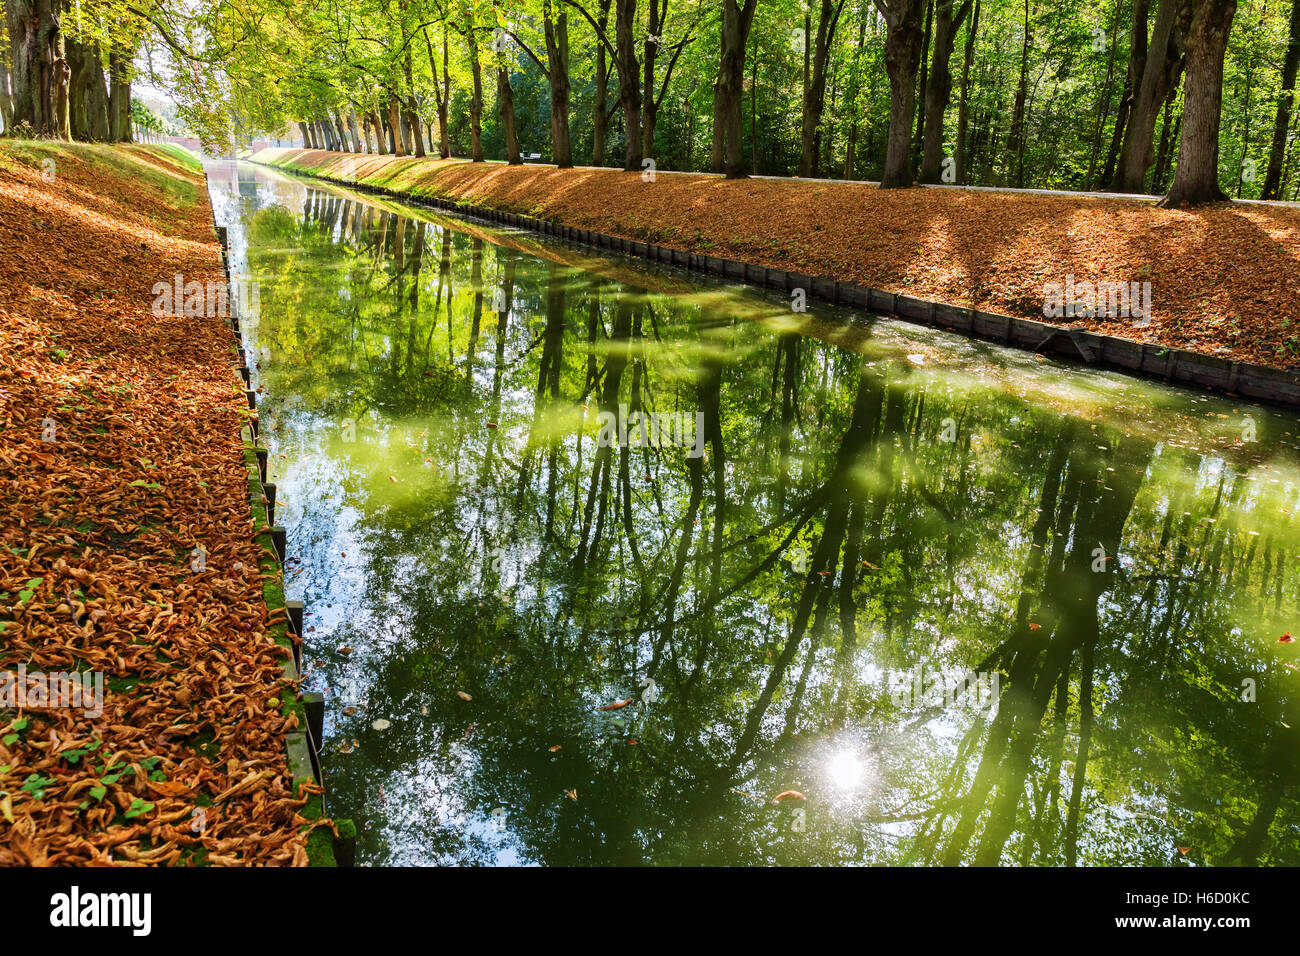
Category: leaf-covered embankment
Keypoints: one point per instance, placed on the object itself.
(120, 455)
(1223, 278)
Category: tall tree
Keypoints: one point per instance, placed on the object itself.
(506, 104)
(476, 97)
(39, 69)
(557, 74)
(814, 95)
(1016, 135)
(963, 104)
(1197, 178)
(1137, 59)
(629, 87)
(1161, 70)
(1103, 101)
(441, 90)
(623, 51)
(903, 49)
(1286, 97)
(949, 16)
(599, 100)
(728, 88)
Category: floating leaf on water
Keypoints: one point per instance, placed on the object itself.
(572, 794)
(381, 724)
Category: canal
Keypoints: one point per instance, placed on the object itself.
(609, 563)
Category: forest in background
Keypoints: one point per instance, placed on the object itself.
(1193, 98)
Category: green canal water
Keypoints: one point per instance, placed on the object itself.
(837, 516)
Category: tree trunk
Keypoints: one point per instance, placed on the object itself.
(408, 137)
(441, 93)
(902, 57)
(1016, 135)
(417, 131)
(444, 135)
(506, 102)
(599, 110)
(963, 107)
(718, 153)
(938, 90)
(1282, 125)
(1103, 102)
(87, 94)
(1159, 75)
(557, 62)
(814, 98)
(476, 102)
(78, 82)
(55, 72)
(410, 107)
(1166, 141)
(22, 18)
(395, 124)
(1137, 59)
(39, 66)
(340, 129)
(649, 52)
(1197, 178)
(853, 99)
(119, 94)
(352, 130)
(922, 84)
(629, 87)
(728, 90)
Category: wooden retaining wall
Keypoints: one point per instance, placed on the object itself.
(302, 746)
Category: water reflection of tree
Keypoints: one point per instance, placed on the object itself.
(640, 562)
